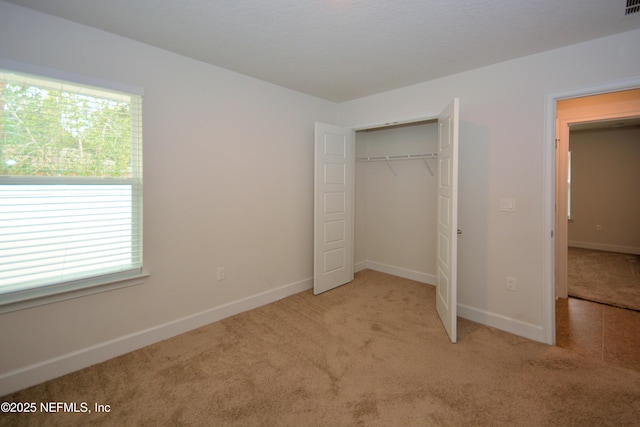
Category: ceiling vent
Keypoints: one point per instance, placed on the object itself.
(632, 8)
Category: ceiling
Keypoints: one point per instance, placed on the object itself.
(345, 49)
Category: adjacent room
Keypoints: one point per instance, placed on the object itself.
(605, 177)
(598, 239)
(315, 213)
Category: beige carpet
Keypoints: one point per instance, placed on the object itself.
(606, 277)
(370, 353)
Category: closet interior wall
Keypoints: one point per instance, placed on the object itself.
(395, 204)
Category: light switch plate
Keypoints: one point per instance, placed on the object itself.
(507, 205)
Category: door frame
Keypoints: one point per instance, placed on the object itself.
(451, 327)
(326, 285)
(549, 192)
(386, 124)
(563, 123)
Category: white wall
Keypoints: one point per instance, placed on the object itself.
(502, 134)
(228, 173)
(395, 215)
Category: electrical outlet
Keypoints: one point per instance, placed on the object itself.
(222, 274)
(511, 283)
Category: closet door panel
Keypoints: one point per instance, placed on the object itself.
(447, 222)
(334, 184)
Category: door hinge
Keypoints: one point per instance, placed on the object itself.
(552, 234)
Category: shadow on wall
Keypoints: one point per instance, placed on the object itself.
(473, 211)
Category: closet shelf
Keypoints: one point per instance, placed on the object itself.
(421, 156)
(398, 157)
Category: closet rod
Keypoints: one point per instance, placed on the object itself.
(398, 157)
(423, 156)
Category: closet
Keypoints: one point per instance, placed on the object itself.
(395, 200)
(390, 210)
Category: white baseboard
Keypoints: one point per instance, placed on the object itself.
(52, 368)
(517, 327)
(405, 273)
(49, 369)
(605, 247)
(504, 323)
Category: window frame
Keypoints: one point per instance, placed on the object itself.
(40, 295)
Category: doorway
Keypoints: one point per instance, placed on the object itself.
(604, 207)
(334, 183)
(395, 193)
(555, 190)
(590, 116)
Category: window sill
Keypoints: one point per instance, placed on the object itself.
(9, 303)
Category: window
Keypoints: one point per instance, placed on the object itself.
(70, 186)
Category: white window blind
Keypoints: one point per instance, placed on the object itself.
(70, 186)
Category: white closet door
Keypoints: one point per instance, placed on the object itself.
(334, 207)
(447, 225)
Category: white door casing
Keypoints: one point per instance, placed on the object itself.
(334, 185)
(550, 213)
(447, 222)
(590, 112)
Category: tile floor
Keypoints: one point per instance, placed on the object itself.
(599, 331)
